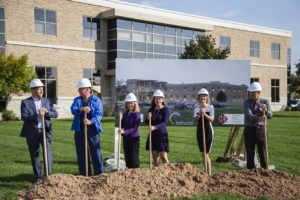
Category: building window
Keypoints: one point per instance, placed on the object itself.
(48, 76)
(93, 75)
(275, 51)
(254, 48)
(2, 31)
(225, 42)
(254, 80)
(275, 90)
(91, 28)
(45, 21)
(133, 39)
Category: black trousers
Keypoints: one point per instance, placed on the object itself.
(34, 141)
(131, 151)
(255, 135)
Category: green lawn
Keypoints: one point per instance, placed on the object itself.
(16, 172)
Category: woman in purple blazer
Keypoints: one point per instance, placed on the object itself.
(130, 124)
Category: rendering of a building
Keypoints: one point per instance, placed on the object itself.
(66, 40)
(187, 93)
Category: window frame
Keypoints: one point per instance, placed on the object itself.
(92, 78)
(45, 21)
(2, 48)
(225, 45)
(254, 48)
(275, 52)
(45, 79)
(275, 90)
(254, 79)
(90, 29)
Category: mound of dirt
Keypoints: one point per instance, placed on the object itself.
(166, 182)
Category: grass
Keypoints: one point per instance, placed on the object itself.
(16, 172)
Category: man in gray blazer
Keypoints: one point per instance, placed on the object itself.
(32, 110)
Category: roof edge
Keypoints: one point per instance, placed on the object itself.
(204, 21)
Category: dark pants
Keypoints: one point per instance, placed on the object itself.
(33, 141)
(131, 151)
(94, 151)
(255, 135)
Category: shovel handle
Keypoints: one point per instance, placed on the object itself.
(85, 146)
(266, 141)
(45, 147)
(119, 140)
(204, 144)
(150, 140)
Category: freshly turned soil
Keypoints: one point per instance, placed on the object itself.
(166, 182)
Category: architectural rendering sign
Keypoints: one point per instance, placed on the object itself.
(180, 80)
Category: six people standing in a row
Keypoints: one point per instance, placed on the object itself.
(88, 111)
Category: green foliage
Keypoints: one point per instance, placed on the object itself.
(203, 47)
(221, 96)
(108, 111)
(8, 115)
(297, 91)
(288, 108)
(298, 69)
(121, 90)
(16, 171)
(295, 81)
(15, 74)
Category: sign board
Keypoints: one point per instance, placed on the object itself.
(180, 80)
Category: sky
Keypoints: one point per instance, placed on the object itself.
(193, 71)
(278, 14)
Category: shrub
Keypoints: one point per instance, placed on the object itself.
(288, 108)
(8, 115)
(108, 111)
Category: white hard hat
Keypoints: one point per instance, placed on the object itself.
(203, 91)
(254, 87)
(158, 93)
(130, 97)
(36, 83)
(84, 83)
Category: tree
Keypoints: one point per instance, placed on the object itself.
(221, 96)
(121, 90)
(295, 81)
(15, 75)
(203, 47)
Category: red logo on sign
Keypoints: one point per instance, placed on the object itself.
(222, 119)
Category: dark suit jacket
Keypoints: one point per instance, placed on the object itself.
(30, 116)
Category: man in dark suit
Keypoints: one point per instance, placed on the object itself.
(32, 110)
(256, 111)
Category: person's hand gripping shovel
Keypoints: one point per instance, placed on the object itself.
(42, 113)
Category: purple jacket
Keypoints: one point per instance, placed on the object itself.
(130, 123)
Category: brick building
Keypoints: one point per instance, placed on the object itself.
(69, 39)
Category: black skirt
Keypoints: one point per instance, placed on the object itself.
(160, 142)
(208, 136)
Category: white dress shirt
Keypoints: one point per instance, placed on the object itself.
(38, 106)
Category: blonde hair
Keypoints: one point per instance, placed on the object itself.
(136, 107)
(207, 98)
